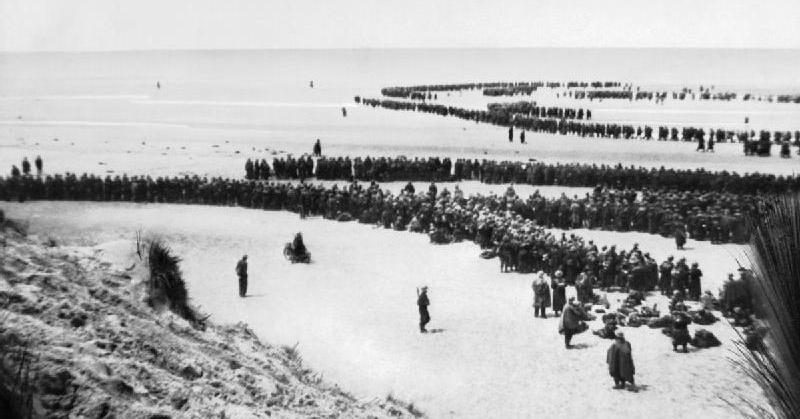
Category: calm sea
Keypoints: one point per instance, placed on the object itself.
(262, 100)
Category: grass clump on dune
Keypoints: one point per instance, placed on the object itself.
(166, 286)
(775, 256)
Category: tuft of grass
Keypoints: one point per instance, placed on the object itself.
(774, 252)
(16, 393)
(413, 410)
(19, 227)
(166, 286)
(293, 354)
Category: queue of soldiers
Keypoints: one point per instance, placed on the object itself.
(493, 222)
(504, 88)
(531, 109)
(600, 90)
(532, 173)
(563, 126)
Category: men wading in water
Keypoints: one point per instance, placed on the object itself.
(620, 362)
(241, 271)
(423, 303)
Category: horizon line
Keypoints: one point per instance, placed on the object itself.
(45, 51)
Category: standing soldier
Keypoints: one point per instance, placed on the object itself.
(39, 165)
(620, 362)
(510, 134)
(241, 271)
(318, 148)
(666, 279)
(423, 303)
(680, 237)
(541, 295)
(26, 166)
(694, 282)
(522, 137)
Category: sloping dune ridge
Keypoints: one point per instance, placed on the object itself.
(77, 341)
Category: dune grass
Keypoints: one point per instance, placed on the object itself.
(774, 252)
(166, 286)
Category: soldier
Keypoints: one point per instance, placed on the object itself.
(694, 282)
(241, 271)
(666, 276)
(26, 166)
(317, 148)
(541, 295)
(620, 362)
(422, 304)
(39, 165)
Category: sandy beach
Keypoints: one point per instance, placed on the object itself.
(356, 323)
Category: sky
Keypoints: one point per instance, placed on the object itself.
(103, 25)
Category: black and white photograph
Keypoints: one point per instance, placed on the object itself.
(399, 209)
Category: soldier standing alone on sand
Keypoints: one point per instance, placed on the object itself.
(423, 303)
(241, 271)
(620, 362)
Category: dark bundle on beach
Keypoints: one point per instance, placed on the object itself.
(775, 255)
(166, 286)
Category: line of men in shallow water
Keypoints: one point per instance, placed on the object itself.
(499, 115)
(388, 169)
(495, 223)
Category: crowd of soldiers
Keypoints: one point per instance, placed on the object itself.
(491, 88)
(493, 222)
(719, 217)
(500, 116)
(532, 109)
(590, 90)
(532, 173)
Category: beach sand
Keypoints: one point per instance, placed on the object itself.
(352, 312)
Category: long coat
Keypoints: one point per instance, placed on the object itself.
(541, 292)
(620, 361)
(571, 320)
(559, 294)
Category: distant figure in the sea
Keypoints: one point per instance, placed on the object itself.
(620, 362)
(241, 272)
(344, 112)
(422, 303)
(701, 143)
(26, 166)
(311, 84)
(39, 165)
(510, 134)
(711, 143)
(158, 85)
(317, 148)
(522, 137)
